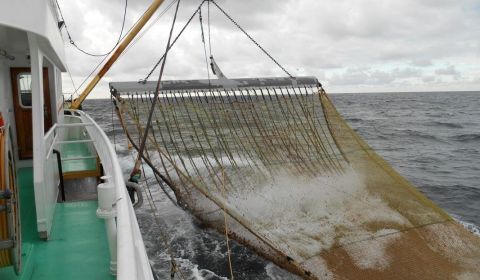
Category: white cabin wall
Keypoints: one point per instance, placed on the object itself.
(5, 89)
(6, 104)
(15, 42)
(52, 174)
(45, 172)
(35, 42)
(36, 58)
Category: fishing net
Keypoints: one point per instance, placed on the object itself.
(296, 183)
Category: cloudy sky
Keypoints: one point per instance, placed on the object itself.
(349, 45)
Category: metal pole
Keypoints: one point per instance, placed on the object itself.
(60, 171)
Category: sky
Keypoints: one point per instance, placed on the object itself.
(349, 45)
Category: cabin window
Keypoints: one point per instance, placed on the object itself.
(25, 89)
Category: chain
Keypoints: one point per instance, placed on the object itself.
(171, 45)
(253, 40)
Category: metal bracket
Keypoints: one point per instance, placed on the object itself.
(6, 244)
(6, 194)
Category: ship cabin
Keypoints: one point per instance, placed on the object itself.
(64, 209)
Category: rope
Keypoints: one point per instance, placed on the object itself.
(157, 91)
(229, 254)
(209, 38)
(204, 46)
(146, 29)
(163, 234)
(151, 202)
(129, 46)
(144, 80)
(87, 52)
(71, 79)
(147, 160)
(253, 40)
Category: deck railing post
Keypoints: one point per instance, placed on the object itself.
(106, 210)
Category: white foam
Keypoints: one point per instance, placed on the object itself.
(276, 273)
(469, 226)
(372, 254)
(307, 216)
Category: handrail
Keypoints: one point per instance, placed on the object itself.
(58, 126)
(132, 259)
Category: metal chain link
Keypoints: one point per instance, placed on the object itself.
(171, 45)
(253, 40)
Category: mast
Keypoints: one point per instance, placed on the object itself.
(121, 47)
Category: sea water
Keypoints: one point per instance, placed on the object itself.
(433, 139)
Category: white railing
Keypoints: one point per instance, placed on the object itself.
(46, 196)
(132, 259)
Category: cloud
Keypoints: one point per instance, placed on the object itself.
(448, 71)
(348, 43)
(369, 76)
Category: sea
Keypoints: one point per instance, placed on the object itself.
(431, 138)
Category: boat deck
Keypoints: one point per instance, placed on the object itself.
(77, 249)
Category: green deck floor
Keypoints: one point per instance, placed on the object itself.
(77, 248)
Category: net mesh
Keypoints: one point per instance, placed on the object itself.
(298, 185)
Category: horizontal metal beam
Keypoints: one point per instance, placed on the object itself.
(74, 141)
(212, 84)
(59, 125)
(78, 158)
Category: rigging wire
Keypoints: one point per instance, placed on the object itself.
(163, 234)
(136, 169)
(155, 211)
(146, 29)
(88, 52)
(144, 80)
(224, 210)
(71, 79)
(225, 220)
(253, 40)
(209, 38)
(131, 45)
(204, 45)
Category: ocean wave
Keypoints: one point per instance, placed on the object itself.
(417, 134)
(445, 124)
(353, 120)
(469, 137)
(469, 226)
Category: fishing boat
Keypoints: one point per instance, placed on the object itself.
(268, 162)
